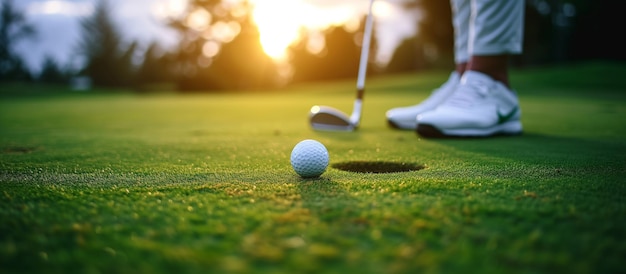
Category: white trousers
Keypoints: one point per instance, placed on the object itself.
(487, 27)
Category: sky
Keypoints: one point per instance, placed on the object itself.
(58, 28)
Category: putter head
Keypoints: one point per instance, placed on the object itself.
(330, 119)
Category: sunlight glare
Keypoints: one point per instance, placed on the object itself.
(225, 32)
(199, 19)
(316, 43)
(210, 49)
(281, 22)
(168, 8)
(382, 9)
(277, 27)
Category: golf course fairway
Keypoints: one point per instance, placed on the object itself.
(116, 182)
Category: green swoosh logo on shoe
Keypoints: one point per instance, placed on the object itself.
(502, 118)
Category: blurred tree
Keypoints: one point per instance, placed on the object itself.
(156, 69)
(13, 29)
(220, 48)
(598, 30)
(558, 31)
(107, 63)
(339, 58)
(436, 34)
(408, 56)
(52, 73)
(432, 46)
(306, 65)
(242, 63)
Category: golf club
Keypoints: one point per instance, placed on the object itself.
(331, 119)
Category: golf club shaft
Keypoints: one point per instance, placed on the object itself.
(355, 118)
(365, 48)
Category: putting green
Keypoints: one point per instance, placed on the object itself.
(122, 183)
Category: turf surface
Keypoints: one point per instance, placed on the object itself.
(120, 183)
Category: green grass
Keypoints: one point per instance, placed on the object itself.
(119, 183)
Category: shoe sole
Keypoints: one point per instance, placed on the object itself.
(513, 128)
(401, 126)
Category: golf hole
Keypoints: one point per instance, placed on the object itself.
(377, 166)
(18, 150)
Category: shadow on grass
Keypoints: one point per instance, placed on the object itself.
(325, 199)
(535, 143)
(548, 151)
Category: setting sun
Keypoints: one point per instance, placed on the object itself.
(281, 22)
(276, 34)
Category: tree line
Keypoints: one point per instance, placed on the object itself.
(206, 59)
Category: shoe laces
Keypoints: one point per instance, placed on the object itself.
(467, 95)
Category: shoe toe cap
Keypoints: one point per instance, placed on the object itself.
(401, 118)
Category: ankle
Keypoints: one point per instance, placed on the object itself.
(498, 76)
(460, 68)
(495, 67)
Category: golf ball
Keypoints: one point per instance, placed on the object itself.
(309, 158)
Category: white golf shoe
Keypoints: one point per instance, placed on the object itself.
(479, 107)
(406, 117)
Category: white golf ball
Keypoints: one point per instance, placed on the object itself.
(309, 158)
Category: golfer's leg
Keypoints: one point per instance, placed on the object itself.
(461, 10)
(496, 30)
